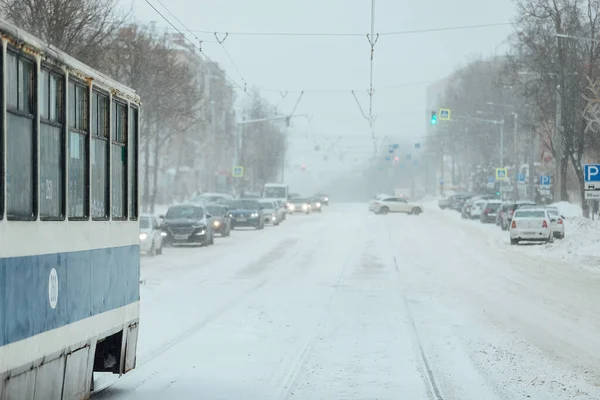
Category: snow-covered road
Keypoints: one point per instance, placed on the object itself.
(351, 305)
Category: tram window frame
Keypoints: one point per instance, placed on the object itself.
(78, 124)
(25, 109)
(133, 191)
(52, 85)
(119, 143)
(100, 134)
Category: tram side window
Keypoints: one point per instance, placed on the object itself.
(99, 154)
(119, 161)
(20, 144)
(78, 137)
(133, 165)
(51, 145)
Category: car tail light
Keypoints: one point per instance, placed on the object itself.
(544, 224)
(514, 225)
(560, 221)
(487, 210)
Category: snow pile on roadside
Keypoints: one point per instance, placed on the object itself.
(568, 210)
(581, 244)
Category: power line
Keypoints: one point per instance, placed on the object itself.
(351, 34)
(199, 49)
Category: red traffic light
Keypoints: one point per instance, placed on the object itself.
(303, 167)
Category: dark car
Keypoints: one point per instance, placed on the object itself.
(187, 225)
(246, 213)
(220, 221)
(323, 198)
(489, 211)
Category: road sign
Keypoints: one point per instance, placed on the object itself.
(387, 158)
(545, 180)
(592, 195)
(417, 145)
(521, 177)
(591, 176)
(445, 114)
(441, 181)
(491, 179)
(501, 174)
(395, 146)
(238, 171)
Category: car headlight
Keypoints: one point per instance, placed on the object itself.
(230, 215)
(217, 223)
(326, 198)
(291, 207)
(202, 232)
(143, 236)
(163, 234)
(318, 205)
(254, 215)
(304, 206)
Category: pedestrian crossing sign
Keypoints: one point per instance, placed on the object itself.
(501, 174)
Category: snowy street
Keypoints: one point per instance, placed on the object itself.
(352, 305)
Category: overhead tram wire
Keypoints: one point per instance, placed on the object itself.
(230, 79)
(352, 34)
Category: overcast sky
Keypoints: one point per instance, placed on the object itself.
(404, 64)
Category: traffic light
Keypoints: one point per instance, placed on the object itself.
(303, 167)
(433, 118)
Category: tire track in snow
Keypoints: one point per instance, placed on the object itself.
(430, 382)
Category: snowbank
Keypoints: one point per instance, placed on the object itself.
(581, 244)
(568, 210)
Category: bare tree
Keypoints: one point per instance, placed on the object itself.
(81, 28)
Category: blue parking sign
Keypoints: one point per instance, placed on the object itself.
(521, 177)
(545, 180)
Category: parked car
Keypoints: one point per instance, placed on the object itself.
(531, 224)
(397, 204)
(490, 210)
(444, 202)
(507, 216)
(246, 213)
(558, 222)
(151, 238)
(271, 212)
(220, 220)
(502, 210)
(477, 208)
(187, 224)
(298, 205)
(457, 201)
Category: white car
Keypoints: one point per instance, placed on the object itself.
(558, 222)
(151, 237)
(477, 208)
(531, 224)
(397, 204)
(378, 197)
(271, 212)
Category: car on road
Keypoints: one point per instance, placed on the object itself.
(531, 224)
(315, 204)
(376, 199)
(246, 213)
(151, 238)
(397, 205)
(299, 205)
(323, 198)
(220, 220)
(272, 214)
(490, 210)
(187, 224)
(206, 198)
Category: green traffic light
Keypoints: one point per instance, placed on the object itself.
(497, 193)
(433, 118)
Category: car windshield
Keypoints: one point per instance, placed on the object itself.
(267, 205)
(530, 214)
(493, 206)
(276, 192)
(185, 212)
(245, 205)
(553, 213)
(145, 223)
(215, 211)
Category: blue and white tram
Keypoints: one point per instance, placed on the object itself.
(69, 235)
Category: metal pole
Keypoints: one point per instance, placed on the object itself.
(502, 143)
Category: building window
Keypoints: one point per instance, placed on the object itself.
(100, 156)
(119, 161)
(78, 150)
(133, 165)
(20, 143)
(52, 164)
